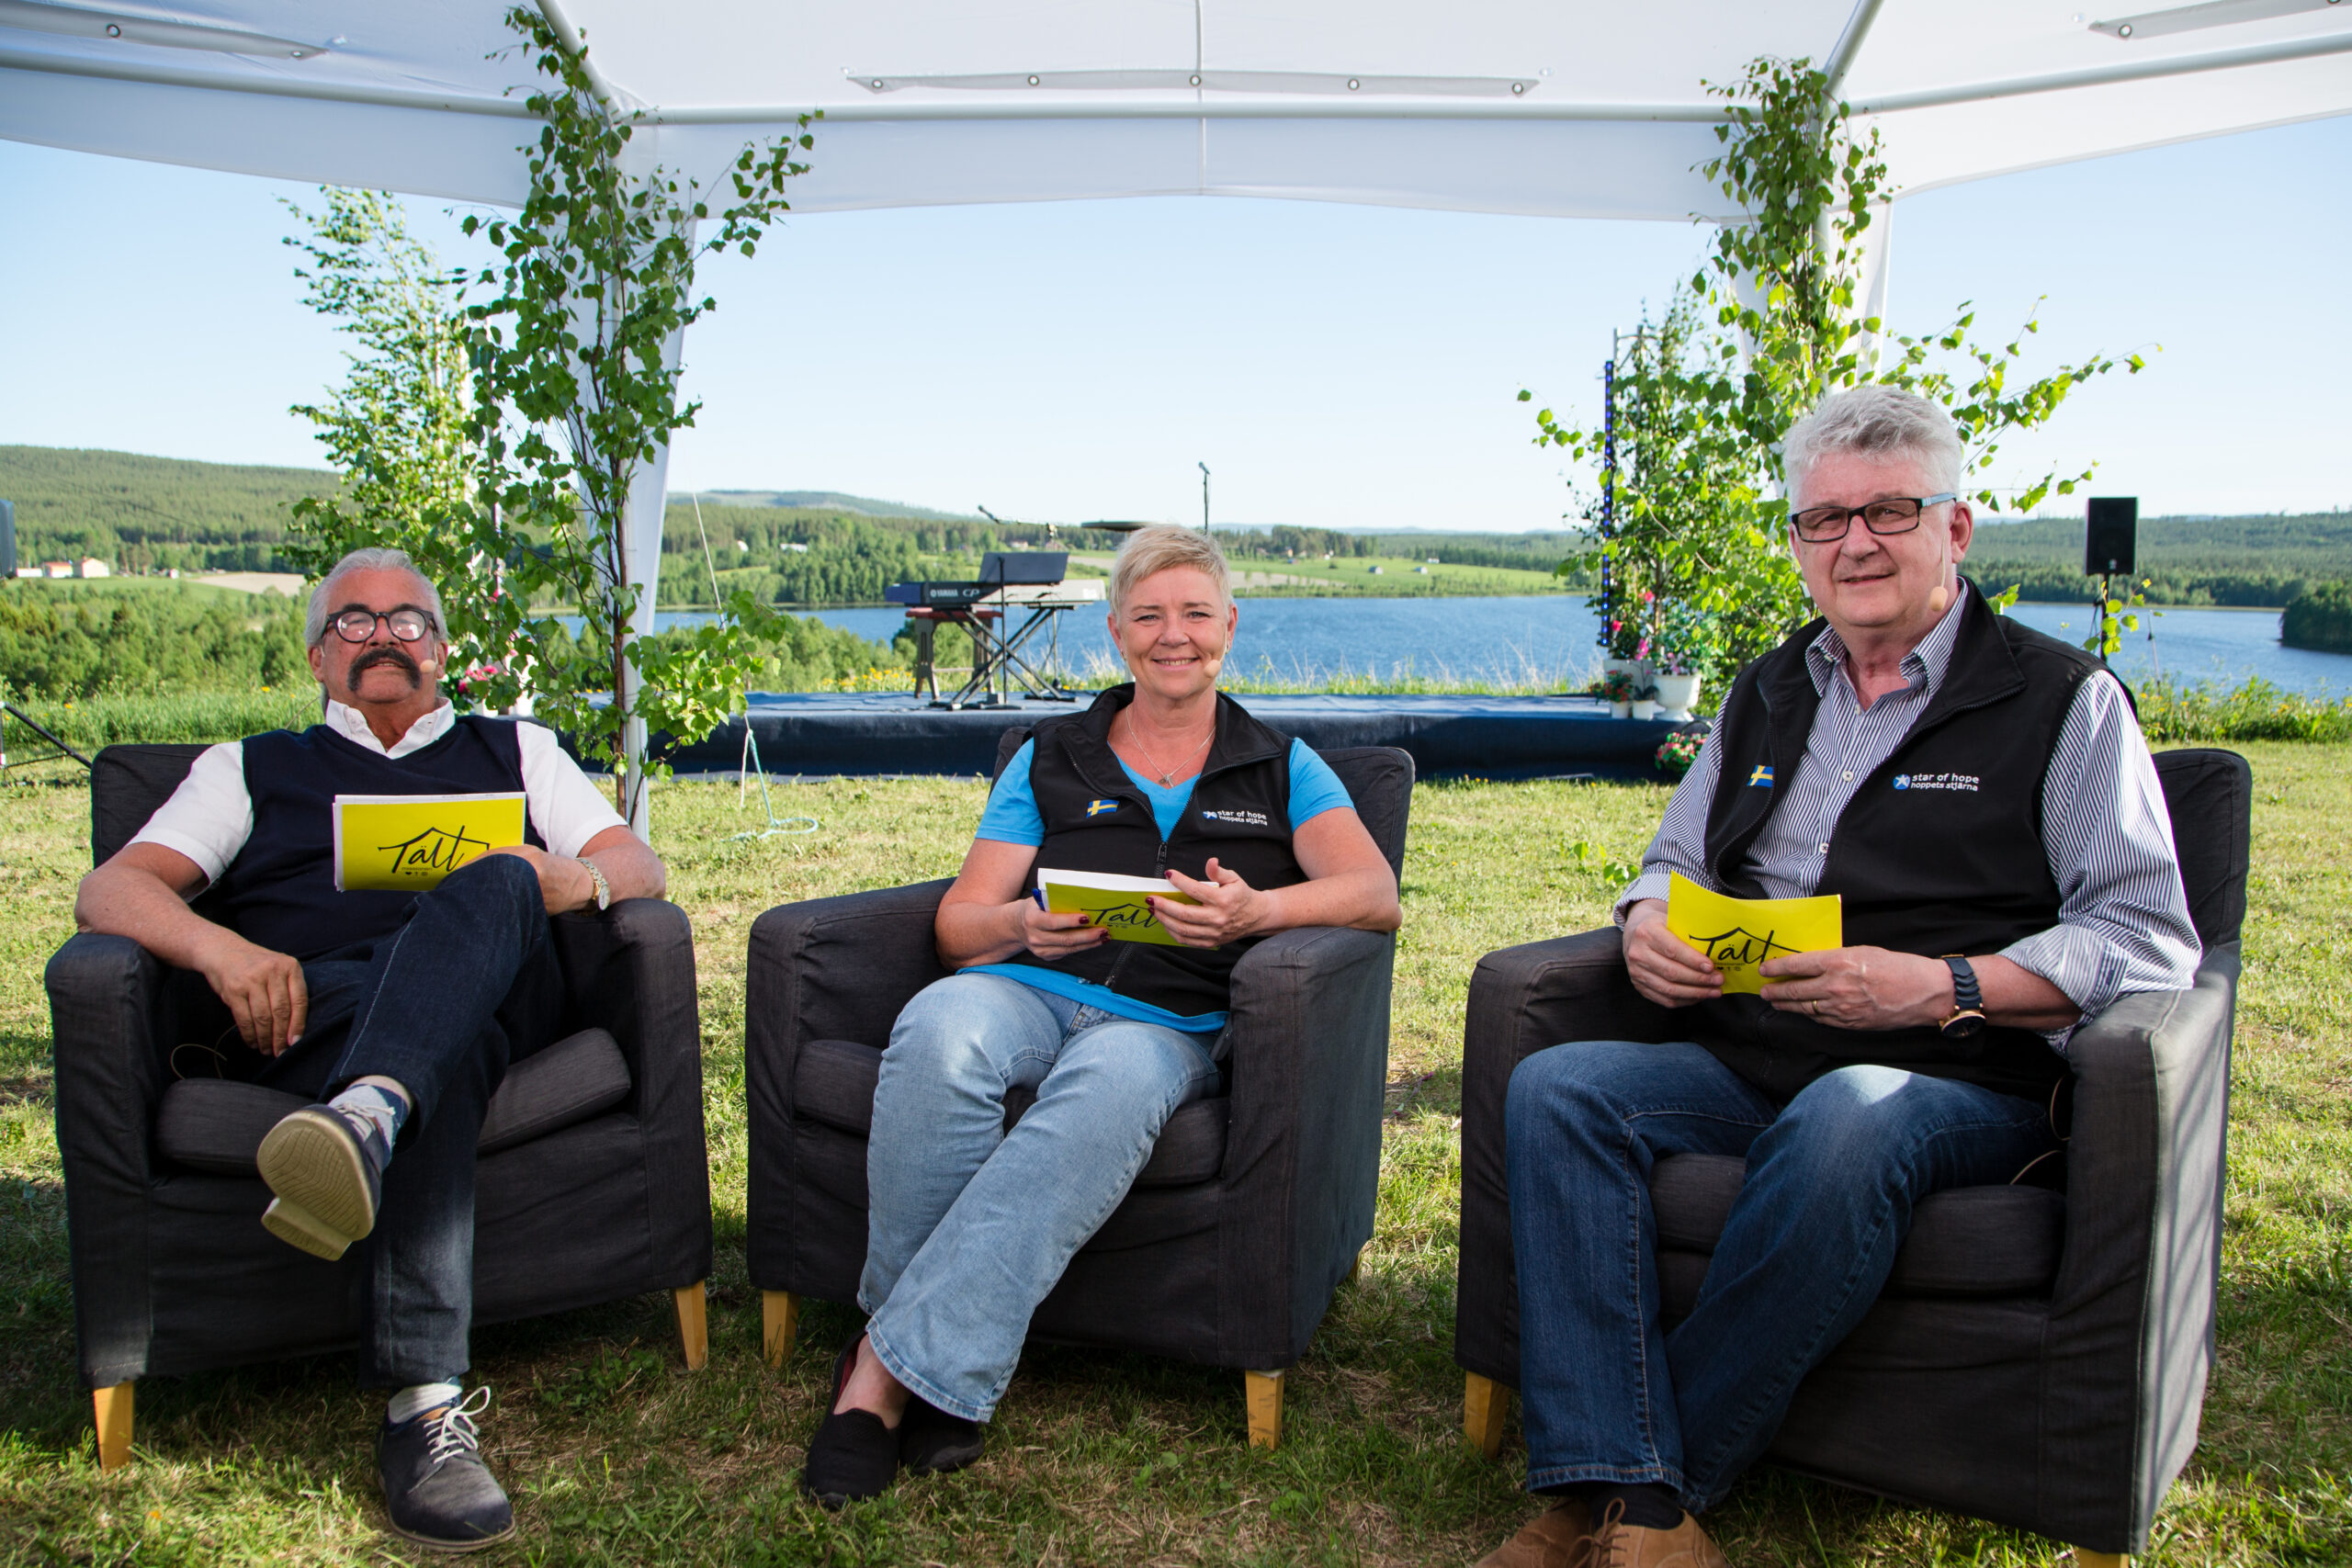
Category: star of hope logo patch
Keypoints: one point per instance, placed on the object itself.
(1964, 782)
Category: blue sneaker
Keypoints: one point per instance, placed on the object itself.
(327, 1172)
(438, 1492)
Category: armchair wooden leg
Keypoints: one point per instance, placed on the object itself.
(2085, 1558)
(1485, 1403)
(1355, 1269)
(694, 1324)
(113, 1407)
(1265, 1408)
(779, 1324)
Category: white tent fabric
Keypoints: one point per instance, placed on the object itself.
(1571, 109)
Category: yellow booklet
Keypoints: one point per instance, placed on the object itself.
(1738, 935)
(1112, 901)
(407, 843)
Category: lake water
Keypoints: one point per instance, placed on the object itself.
(1548, 640)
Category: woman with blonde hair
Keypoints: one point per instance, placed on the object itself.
(969, 1227)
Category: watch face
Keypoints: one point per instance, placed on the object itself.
(1962, 1025)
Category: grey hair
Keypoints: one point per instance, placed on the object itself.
(1151, 551)
(1875, 421)
(369, 559)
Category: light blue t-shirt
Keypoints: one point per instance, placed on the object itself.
(1012, 818)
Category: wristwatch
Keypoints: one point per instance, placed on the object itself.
(603, 888)
(1967, 1000)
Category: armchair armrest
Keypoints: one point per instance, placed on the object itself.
(110, 1015)
(2145, 1169)
(1523, 1000)
(838, 968)
(823, 969)
(1309, 1065)
(630, 969)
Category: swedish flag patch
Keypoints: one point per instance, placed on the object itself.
(1761, 778)
(1096, 808)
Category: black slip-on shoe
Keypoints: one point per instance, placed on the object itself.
(852, 1456)
(326, 1179)
(932, 1442)
(438, 1492)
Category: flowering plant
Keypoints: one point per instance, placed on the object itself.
(1677, 751)
(1617, 686)
(1629, 634)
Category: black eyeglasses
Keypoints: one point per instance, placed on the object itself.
(358, 625)
(1896, 514)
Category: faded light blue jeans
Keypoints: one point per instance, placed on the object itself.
(1607, 1393)
(968, 1225)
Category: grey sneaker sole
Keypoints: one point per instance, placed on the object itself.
(452, 1548)
(324, 1202)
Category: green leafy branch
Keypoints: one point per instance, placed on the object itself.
(575, 391)
(1769, 326)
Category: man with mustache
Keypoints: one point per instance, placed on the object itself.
(396, 1013)
(1980, 799)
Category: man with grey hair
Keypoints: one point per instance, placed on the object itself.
(397, 1012)
(1980, 799)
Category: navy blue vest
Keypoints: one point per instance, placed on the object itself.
(1956, 865)
(279, 892)
(1240, 814)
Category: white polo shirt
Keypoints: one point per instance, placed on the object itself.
(210, 816)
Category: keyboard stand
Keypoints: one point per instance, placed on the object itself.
(1002, 654)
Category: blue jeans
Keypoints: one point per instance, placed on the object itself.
(968, 1225)
(1606, 1393)
(467, 984)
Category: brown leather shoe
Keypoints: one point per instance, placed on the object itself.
(1558, 1538)
(1617, 1544)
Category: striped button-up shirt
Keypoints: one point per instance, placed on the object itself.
(2123, 921)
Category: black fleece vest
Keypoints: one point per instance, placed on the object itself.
(1939, 850)
(279, 891)
(1096, 818)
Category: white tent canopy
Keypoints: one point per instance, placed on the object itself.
(1570, 108)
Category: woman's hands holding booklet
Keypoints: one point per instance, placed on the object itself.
(1049, 935)
(1227, 908)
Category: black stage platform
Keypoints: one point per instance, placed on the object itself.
(1454, 737)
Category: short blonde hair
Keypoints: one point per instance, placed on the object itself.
(1152, 550)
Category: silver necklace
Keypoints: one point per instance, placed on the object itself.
(1167, 776)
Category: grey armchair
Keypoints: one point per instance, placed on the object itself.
(592, 1185)
(2039, 1356)
(1254, 1203)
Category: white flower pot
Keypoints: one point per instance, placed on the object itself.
(1621, 710)
(1676, 694)
(1621, 667)
(1643, 707)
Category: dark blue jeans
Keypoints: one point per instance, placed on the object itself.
(1607, 1395)
(467, 985)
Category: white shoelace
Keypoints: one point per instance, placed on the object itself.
(454, 1431)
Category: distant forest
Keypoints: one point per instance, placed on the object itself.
(2205, 560)
(147, 514)
(143, 515)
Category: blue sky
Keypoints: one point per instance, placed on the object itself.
(1336, 367)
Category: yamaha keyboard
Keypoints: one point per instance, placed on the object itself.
(989, 595)
(1034, 580)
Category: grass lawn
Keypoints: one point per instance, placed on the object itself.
(615, 1454)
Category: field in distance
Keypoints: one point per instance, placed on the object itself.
(812, 548)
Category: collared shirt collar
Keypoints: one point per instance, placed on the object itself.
(1923, 667)
(351, 725)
